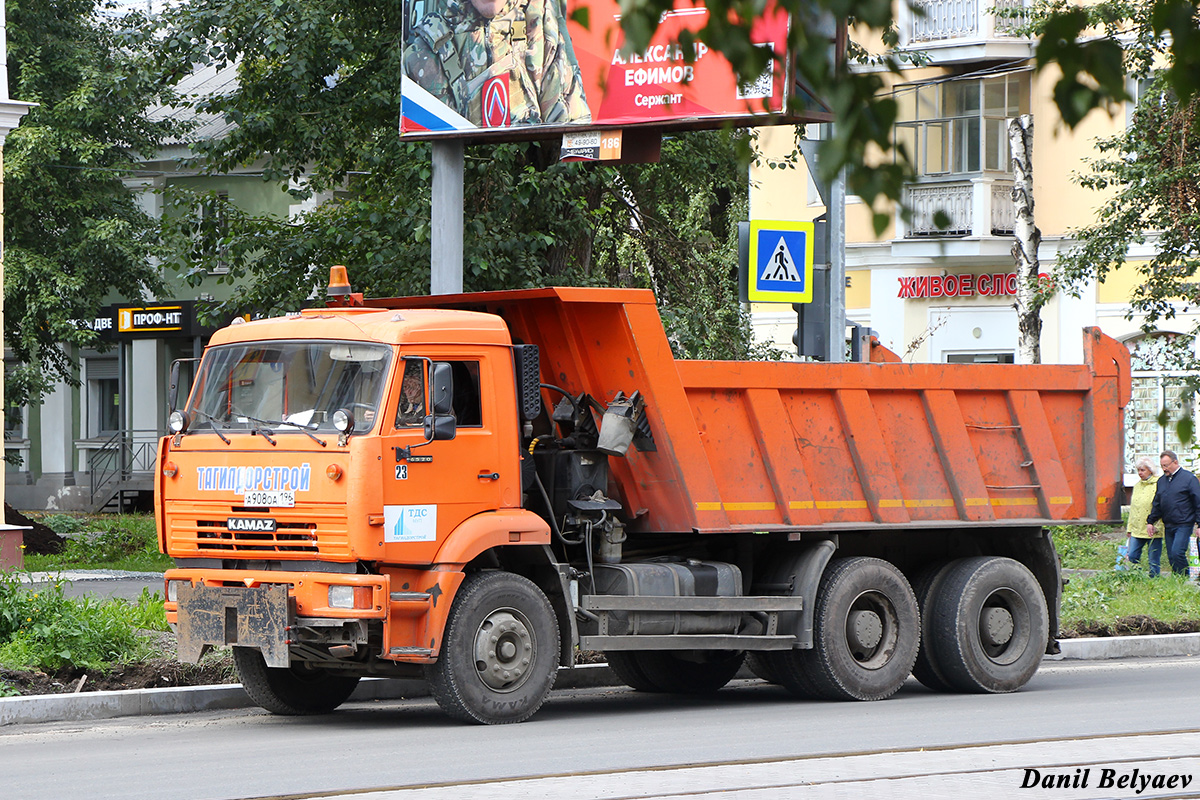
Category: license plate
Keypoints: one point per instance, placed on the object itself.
(278, 499)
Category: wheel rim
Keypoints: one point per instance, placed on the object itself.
(872, 630)
(1004, 626)
(505, 649)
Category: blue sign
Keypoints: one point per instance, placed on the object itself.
(781, 262)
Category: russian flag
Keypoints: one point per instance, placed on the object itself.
(420, 111)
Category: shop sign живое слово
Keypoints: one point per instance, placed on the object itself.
(987, 285)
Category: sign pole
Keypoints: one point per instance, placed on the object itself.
(446, 218)
(836, 340)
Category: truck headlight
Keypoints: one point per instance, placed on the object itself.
(173, 591)
(177, 422)
(349, 596)
(343, 420)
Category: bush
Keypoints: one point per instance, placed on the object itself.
(46, 630)
(63, 524)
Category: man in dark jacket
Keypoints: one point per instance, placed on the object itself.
(1177, 504)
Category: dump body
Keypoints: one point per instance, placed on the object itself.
(754, 446)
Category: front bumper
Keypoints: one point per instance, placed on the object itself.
(261, 609)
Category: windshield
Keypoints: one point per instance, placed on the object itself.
(289, 386)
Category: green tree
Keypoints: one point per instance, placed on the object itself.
(317, 108)
(1150, 171)
(73, 231)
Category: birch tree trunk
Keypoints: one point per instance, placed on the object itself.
(1026, 238)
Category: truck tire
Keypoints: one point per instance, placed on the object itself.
(763, 667)
(990, 625)
(290, 691)
(676, 672)
(925, 587)
(628, 668)
(691, 671)
(499, 655)
(866, 633)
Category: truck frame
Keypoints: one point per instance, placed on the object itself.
(473, 488)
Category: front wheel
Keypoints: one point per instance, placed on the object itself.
(290, 691)
(499, 657)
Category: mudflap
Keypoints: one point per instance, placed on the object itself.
(214, 616)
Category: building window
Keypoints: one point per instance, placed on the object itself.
(960, 126)
(103, 397)
(1160, 383)
(212, 228)
(14, 422)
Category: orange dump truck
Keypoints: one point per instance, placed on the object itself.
(471, 488)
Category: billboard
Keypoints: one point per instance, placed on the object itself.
(511, 68)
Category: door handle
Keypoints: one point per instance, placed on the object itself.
(489, 476)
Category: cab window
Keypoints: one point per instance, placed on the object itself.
(410, 411)
(468, 412)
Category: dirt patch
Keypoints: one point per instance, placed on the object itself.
(40, 541)
(154, 674)
(1137, 625)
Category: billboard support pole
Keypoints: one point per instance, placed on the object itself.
(446, 219)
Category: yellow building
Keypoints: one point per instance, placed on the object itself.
(945, 295)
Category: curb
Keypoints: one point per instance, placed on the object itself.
(183, 699)
(1159, 644)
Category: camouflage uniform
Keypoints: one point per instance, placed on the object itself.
(454, 50)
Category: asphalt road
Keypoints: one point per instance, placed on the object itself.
(588, 740)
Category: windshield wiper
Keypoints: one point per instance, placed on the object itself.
(212, 423)
(275, 422)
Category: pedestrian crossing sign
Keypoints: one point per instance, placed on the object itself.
(781, 262)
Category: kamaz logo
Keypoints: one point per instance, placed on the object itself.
(251, 524)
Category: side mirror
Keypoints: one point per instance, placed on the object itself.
(173, 387)
(440, 427)
(441, 389)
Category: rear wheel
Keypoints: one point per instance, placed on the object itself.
(990, 625)
(499, 657)
(926, 587)
(290, 691)
(866, 632)
(676, 671)
(763, 667)
(627, 666)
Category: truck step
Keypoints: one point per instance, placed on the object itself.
(409, 597)
(410, 651)
(687, 642)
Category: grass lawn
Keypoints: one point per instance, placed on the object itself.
(1116, 602)
(102, 541)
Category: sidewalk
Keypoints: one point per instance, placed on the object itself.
(100, 583)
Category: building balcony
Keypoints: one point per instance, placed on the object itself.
(978, 212)
(962, 31)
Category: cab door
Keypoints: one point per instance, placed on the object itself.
(430, 489)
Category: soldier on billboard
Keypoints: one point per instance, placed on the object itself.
(498, 62)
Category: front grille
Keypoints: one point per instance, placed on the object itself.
(200, 532)
(298, 537)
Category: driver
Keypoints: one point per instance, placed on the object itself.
(411, 410)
